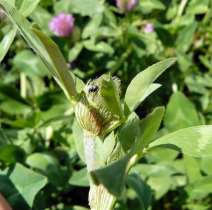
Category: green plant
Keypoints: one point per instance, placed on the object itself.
(122, 138)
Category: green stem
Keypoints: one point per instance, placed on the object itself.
(23, 85)
(181, 8)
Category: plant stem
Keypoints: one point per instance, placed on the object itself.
(23, 85)
(99, 197)
(90, 152)
(181, 7)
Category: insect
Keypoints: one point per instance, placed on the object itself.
(93, 88)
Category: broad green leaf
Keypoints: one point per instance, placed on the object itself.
(48, 165)
(180, 113)
(161, 155)
(79, 178)
(149, 5)
(160, 184)
(185, 37)
(6, 42)
(152, 88)
(27, 182)
(10, 154)
(98, 47)
(10, 92)
(12, 2)
(206, 165)
(28, 6)
(86, 7)
(129, 132)
(198, 7)
(148, 170)
(108, 147)
(149, 126)
(30, 64)
(7, 106)
(193, 141)
(114, 173)
(158, 176)
(42, 17)
(142, 190)
(142, 82)
(200, 188)
(92, 26)
(111, 97)
(75, 51)
(192, 168)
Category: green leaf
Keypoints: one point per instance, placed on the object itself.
(149, 5)
(129, 132)
(198, 7)
(27, 182)
(10, 154)
(193, 141)
(28, 6)
(31, 65)
(201, 188)
(149, 126)
(8, 107)
(152, 88)
(107, 147)
(6, 42)
(98, 47)
(180, 113)
(192, 168)
(142, 82)
(142, 190)
(48, 165)
(75, 51)
(206, 165)
(79, 178)
(109, 91)
(185, 37)
(114, 173)
(56, 57)
(161, 184)
(86, 7)
(92, 26)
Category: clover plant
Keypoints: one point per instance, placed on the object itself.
(110, 136)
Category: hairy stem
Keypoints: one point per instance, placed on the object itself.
(90, 151)
(99, 197)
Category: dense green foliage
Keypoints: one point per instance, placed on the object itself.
(39, 138)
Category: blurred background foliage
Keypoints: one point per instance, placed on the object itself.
(39, 165)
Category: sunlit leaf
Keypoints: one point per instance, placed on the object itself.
(142, 82)
(193, 141)
(27, 182)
